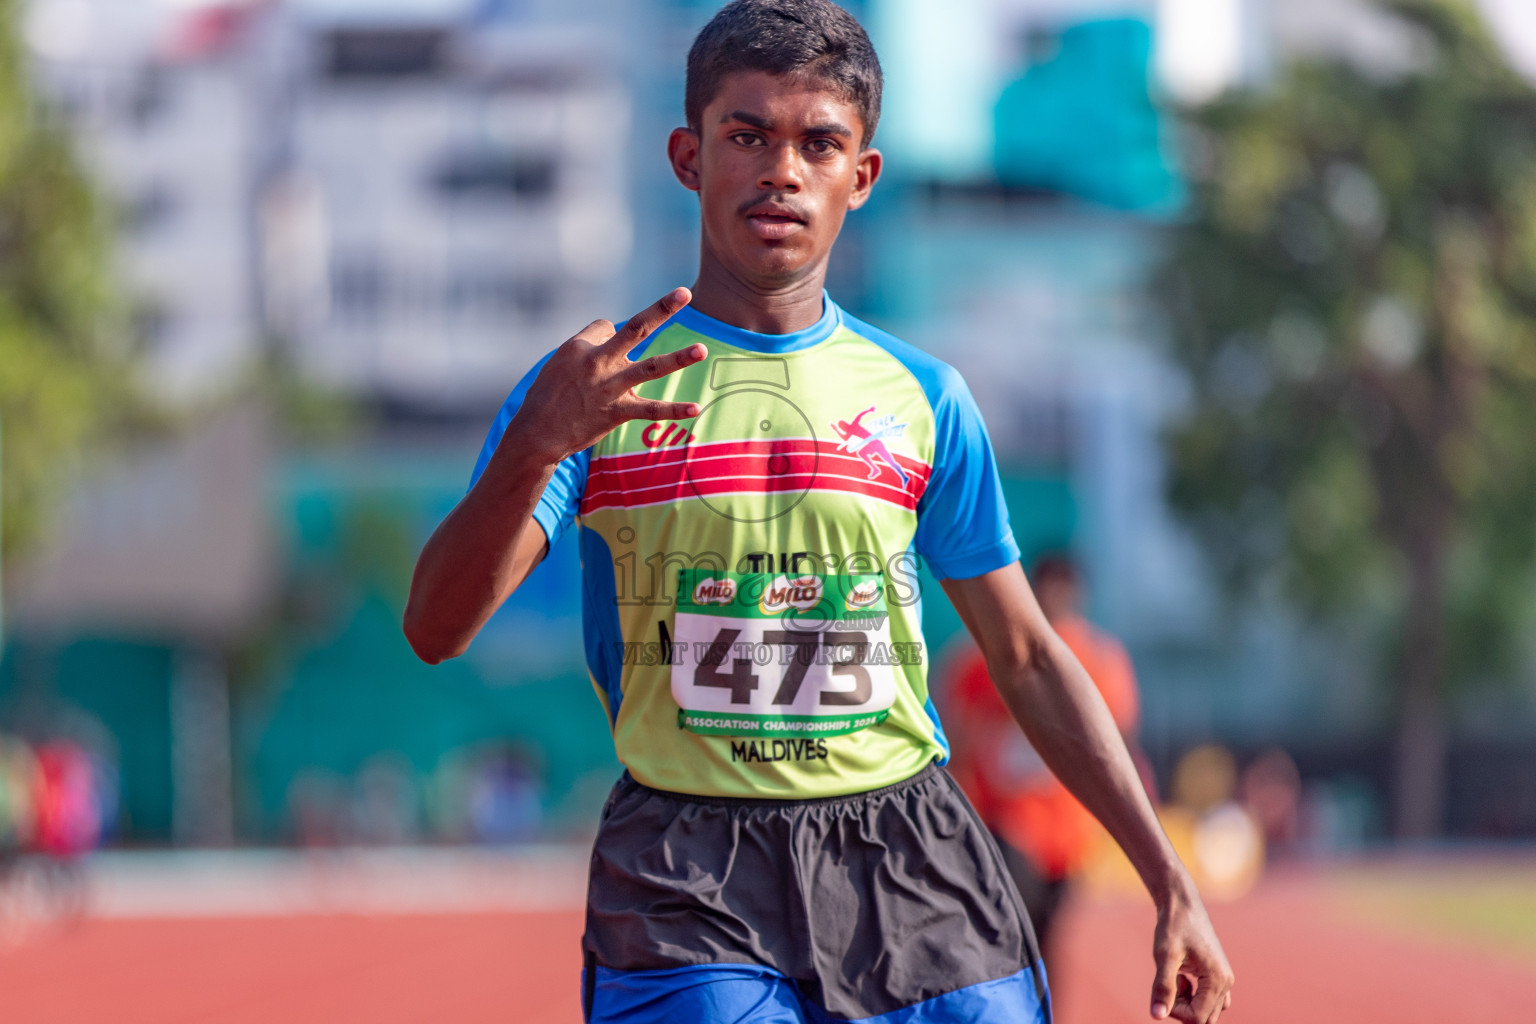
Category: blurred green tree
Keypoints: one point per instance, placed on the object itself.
(1353, 295)
(63, 349)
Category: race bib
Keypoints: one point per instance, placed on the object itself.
(758, 654)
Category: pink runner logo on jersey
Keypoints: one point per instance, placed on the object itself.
(868, 442)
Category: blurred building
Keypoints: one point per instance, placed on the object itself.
(161, 110)
(451, 198)
(408, 201)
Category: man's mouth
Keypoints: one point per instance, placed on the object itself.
(773, 224)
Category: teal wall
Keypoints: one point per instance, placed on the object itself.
(112, 695)
(339, 686)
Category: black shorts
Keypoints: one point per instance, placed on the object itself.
(845, 908)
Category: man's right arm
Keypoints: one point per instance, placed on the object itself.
(490, 542)
(479, 554)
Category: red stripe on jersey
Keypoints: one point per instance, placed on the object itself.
(775, 446)
(630, 479)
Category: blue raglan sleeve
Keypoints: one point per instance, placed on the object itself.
(557, 506)
(962, 519)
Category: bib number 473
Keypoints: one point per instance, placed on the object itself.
(844, 651)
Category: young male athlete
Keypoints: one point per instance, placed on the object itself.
(784, 845)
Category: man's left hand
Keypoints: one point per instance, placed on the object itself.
(1194, 980)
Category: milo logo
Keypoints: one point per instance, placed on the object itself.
(782, 593)
(712, 591)
(862, 596)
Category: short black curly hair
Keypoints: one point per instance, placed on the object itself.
(816, 38)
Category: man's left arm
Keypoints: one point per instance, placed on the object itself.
(1067, 722)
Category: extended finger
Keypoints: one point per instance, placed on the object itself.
(640, 326)
(647, 409)
(653, 367)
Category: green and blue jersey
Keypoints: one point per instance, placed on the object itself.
(750, 600)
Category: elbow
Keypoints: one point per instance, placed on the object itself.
(1024, 664)
(426, 653)
(426, 643)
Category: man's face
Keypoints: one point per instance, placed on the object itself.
(777, 164)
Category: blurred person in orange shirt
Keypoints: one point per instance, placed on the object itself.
(1045, 834)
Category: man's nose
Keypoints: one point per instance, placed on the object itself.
(783, 171)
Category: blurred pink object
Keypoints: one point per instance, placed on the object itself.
(68, 803)
(207, 31)
(1271, 789)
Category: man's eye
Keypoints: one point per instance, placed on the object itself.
(746, 139)
(822, 147)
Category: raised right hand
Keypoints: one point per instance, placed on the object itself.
(587, 387)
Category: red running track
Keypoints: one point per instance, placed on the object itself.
(464, 969)
(1300, 954)
(1299, 957)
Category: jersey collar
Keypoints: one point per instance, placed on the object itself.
(776, 344)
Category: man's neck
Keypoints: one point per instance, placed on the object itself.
(785, 309)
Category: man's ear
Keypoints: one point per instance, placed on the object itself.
(870, 163)
(683, 152)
